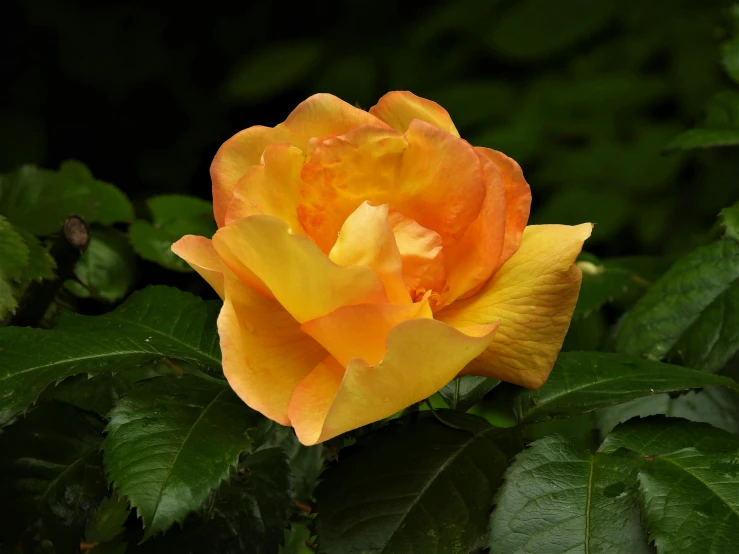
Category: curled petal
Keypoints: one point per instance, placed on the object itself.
(265, 354)
(367, 239)
(318, 116)
(517, 199)
(422, 356)
(421, 254)
(293, 268)
(426, 174)
(473, 259)
(399, 108)
(361, 331)
(199, 253)
(270, 188)
(533, 296)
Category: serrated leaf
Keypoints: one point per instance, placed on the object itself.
(689, 487)
(39, 200)
(246, 516)
(106, 521)
(155, 323)
(113, 205)
(559, 497)
(729, 220)
(717, 406)
(171, 441)
(690, 302)
(306, 462)
(52, 469)
(416, 485)
(14, 256)
(466, 391)
(107, 268)
(581, 382)
(40, 263)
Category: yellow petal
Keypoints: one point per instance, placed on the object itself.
(293, 268)
(318, 116)
(265, 354)
(233, 159)
(399, 108)
(533, 296)
(361, 331)
(422, 356)
(517, 200)
(199, 253)
(367, 239)
(270, 188)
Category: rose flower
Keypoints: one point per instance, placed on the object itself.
(365, 259)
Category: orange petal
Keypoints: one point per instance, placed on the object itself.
(367, 239)
(361, 331)
(427, 175)
(473, 259)
(199, 253)
(422, 356)
(517, 199)
(421, 253)
(318, 116)
(271, 188)
(265, 354)
(344, 171)
(293, 268)
(399, 108)
(533, 296)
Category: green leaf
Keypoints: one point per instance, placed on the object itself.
(730, 58)
(171, 207)
(464, 392)
(603, 282)
(558, 497)
(51, 469)
(107, 268)
(174, 216)
(14, 255)
(689, 487)
(39, 200)
(534, 29)
(720, 128)
(296, 540)
(306, 462)
(106, 522)
(245, 516)
(729, 220)
(270, 70)
(156, 323)
(40, 263)
(171, 441)
(416, 485)
(585, 381)
(714, 405)
(113, 205)
(689, 304)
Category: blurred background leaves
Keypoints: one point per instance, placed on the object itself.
(585, 95)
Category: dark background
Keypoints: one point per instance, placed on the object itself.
(585, 94)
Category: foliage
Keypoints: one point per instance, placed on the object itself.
(119, 431)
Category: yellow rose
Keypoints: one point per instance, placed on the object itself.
(365, 259)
